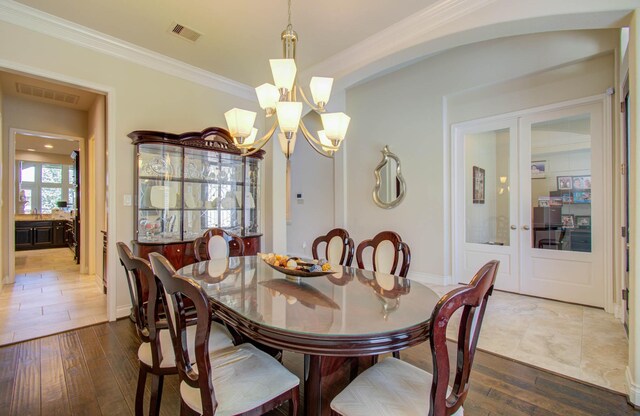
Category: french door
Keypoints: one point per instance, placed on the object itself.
(529, 191)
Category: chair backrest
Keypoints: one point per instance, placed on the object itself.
(216, 243)
(144, 297)
(339, 247)
(387, 247)
(175, 289)
(473, 298)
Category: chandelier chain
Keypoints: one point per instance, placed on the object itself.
(289, 21)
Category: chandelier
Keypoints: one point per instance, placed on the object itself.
(279, 100)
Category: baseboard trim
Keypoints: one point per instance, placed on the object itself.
(429, 278)
(633, 390)
(123, 311)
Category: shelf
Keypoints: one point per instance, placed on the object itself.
(161, 178)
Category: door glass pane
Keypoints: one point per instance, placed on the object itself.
(561, 184)
(487, 187)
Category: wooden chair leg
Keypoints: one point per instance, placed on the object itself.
(294, 402)
(157, 382)
(186, 410)
(142, 380)
(396, 354)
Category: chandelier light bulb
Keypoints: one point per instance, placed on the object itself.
(240, 122)
(289, 114)
(284, 73)
(268, 96)
(321, 90)
(335, 125)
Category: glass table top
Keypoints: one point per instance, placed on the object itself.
(349, 302)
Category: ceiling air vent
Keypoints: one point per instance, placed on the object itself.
(184, 32)
(47, 93)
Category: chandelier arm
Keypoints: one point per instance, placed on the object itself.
(313, 107)
(310, 139)
(259, 143)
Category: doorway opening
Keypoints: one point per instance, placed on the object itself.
(55, 277)
(529, 190)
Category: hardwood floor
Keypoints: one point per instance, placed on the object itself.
(93, 371)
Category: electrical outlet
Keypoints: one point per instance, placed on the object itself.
(127, 201)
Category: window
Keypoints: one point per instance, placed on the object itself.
(42, 185)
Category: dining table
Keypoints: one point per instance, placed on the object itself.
(334, 320)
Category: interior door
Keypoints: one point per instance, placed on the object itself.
(562, 226)
(485, 158)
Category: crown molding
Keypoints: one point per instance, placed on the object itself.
(401, 35)
(449, 23)
(38, 21)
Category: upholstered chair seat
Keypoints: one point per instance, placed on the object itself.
(390, 388)
(219, 339)
(243, 377)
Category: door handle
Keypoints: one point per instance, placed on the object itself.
(513, 227)
(525, 227)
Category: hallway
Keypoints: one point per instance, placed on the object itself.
(49, 296)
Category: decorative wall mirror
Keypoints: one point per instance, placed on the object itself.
(390, 187)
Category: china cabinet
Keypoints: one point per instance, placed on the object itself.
(188, 183)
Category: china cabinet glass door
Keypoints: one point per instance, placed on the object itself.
(159, 201)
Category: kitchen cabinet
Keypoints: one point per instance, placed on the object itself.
(34, 235)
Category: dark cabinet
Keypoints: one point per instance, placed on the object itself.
(58, 234)
(24, 237)
(33, 235)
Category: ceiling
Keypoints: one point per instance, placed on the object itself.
(45, 92)
(238, 37)
(351, 41)
(60, 146)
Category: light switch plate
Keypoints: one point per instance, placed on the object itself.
(127, 200)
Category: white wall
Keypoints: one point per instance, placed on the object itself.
(412, 110)
(3, 241)
(43, 157)
(142, 99)
(96, 166)
(312, 176)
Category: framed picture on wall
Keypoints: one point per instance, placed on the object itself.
(581, 182)
(568, 221)
(478, 185)
(583, 221)
(564, 183)
(538, 169)
(567, 198)
(582, 197)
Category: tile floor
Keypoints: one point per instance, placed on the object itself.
(577, 341)
(49, 296)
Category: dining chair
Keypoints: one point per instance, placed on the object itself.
(394, 387)
(338, 247)
(239, 380)
(217, 243)
(390, 254)
(156, 354)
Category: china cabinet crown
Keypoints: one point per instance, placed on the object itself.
(187, 183)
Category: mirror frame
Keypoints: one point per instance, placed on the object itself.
(386, 155)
